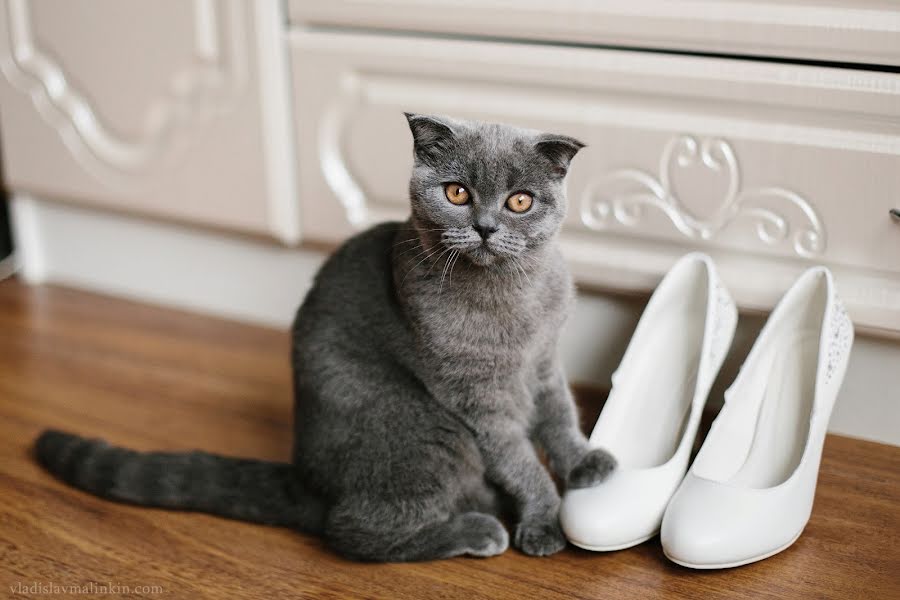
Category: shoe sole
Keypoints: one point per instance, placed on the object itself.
(614, 548)
(739, 563)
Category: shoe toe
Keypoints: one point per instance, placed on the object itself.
(708, 525)
(613, 515)
(694, 541)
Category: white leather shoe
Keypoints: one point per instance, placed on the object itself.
(651, 416)
(750, 491)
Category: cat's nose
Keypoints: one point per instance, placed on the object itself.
(485, 229)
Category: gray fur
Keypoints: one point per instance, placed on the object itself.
(426, 367)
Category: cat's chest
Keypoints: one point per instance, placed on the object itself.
(488, 327)
(484, 336)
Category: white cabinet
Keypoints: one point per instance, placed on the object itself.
(769, 167)
(859, 31)
(172, 108)
(203, 111)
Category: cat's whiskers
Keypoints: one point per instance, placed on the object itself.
(530, 261)
(461, 244)
(515, 261)
(415, 239)
(424, 250)
(452, 256)
(512, 267)
(438, 259)
(411, 248)
(418, 263)
(450, 276)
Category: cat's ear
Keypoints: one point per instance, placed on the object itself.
(432, 136)
(559, 150)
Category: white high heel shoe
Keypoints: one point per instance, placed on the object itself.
(750, 491)
(651, 416)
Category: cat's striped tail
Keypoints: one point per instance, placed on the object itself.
(237, 488)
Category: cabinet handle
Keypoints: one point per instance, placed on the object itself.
(895, 212)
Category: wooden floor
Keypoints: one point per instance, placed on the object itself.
(153, 378)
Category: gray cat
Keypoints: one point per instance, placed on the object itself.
(425, 366)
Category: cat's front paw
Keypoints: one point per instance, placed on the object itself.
(593, 468)
(540, 538)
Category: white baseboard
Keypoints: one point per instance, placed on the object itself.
(173, 265)
(257, 282)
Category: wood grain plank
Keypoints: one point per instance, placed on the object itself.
(149, 377)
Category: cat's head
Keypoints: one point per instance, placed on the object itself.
(493, 192)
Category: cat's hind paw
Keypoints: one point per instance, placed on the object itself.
(485, 535)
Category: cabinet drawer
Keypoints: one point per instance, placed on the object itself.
(863, 31)
(770, 168)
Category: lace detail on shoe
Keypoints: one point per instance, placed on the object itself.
(724, 317)
(839, 340)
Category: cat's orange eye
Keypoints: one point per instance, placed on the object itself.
(456, 193)
(519, 202)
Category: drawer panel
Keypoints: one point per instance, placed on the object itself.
(177, 110)
(770, 168)
(863, 31)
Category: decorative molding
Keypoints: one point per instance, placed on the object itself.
(199, 91)
(357, 87)
(644, 91)
(331, 157)
(622, 195)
